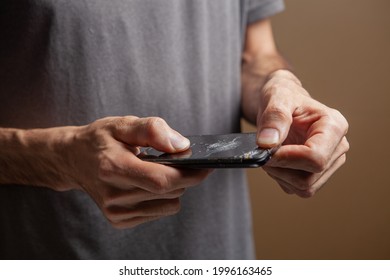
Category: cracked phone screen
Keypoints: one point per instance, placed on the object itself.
(229, 150)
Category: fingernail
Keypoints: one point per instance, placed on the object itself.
(179, 142)
(268, 137)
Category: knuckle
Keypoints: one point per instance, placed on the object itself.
(175, 194)
(345, 125)
(105, 204)
(305, 182)
(172, 208)
(319, 162)
(304, 185)
(339, 122)
(121, 122)
(342, 159)
(307, 193)
(109, 214)
(274, 112)
(159, 183)
(116, 215)
(153, 125)
(176, 210)
(346, 145)
(113, 124)
(109, 198)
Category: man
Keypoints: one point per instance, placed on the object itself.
(162, 67)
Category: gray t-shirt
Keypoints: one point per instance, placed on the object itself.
(70, 62)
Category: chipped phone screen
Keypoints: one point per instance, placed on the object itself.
(214, 151)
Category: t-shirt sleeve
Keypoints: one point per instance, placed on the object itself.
(260, 9)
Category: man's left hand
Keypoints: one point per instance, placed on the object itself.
(311, 135)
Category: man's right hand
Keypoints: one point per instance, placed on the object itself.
(101, 159)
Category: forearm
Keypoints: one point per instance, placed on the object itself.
(34, 157)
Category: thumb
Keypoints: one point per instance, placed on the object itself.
(273, 125)
(152, 132)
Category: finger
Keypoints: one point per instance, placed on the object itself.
(297, 179)
(153, 208)
(287, 190)
(325, 136)
(149, 132)
(127, 198)
(311, 159)
(283, 185)
(325, 177)
(303, 180)
(304, 184)
(275, 118)
(153, 177)
(171, 179)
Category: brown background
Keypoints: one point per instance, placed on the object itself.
(340, 50)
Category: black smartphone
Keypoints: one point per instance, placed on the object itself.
(237, 150)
